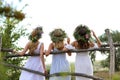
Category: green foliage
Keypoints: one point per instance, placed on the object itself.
(116, 39)
(80, 31)
(7, 11)
(11, 31)
(116, 36)
(117, 59)
(58, 35)
(92, 55)
(2, 70)
(105, 63)
(103, 38)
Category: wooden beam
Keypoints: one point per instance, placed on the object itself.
(112, 53)
(59, 52)
(6, 50)
(107, 45)
(52, 75)
(25, 69)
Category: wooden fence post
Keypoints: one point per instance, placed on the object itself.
(112, 53)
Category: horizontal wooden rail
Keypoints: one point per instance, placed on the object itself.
(59, 52)
(52, 75)
(6, 50)
(103, 45)
(75, 74)
(29, 70)
(107, 45)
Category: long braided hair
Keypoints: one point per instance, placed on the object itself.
(34, 39)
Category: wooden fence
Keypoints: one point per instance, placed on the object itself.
(52, 75)
(54, 52)
(112, 58)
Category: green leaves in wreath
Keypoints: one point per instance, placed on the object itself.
(58, 35)
(80, 32)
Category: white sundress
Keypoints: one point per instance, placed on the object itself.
(83, 63)
(59, 64)
(33, 63)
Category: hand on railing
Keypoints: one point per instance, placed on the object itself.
(14, 52)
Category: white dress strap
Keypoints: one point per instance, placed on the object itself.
(39, 45)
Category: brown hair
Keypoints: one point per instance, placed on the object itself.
(83, 45)
(82, 35)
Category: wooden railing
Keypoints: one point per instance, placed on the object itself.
(111, 48)
(52, 75)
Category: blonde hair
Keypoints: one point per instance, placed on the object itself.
(33, 46)
(57, 37)
(34, 39)
(59, 45)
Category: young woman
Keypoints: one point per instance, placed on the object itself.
(83, 63)
(59, 61)
(34, 46)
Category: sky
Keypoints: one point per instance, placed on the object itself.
(98, 15)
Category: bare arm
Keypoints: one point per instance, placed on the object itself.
(24, 50)
(42, 56)
(49, 49)
(71, 46)
(65, 49)
(68, 42)
(98, 40)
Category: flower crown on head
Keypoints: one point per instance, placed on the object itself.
(57, 35)
(36, 34)
(80, 33)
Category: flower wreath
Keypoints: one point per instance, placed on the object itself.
(37, 35)
(80, 32)
(57, 35)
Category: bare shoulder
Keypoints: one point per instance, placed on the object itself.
(91, 44)
(51, 45)
(28, 44)
(74, 43)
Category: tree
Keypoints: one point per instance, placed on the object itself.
(116, 39)
(10, 20)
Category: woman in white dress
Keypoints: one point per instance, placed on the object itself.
(83, 63)
(59, 61)
(34, 62)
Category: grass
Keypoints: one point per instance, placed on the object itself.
(105, 75)
(101, 73)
